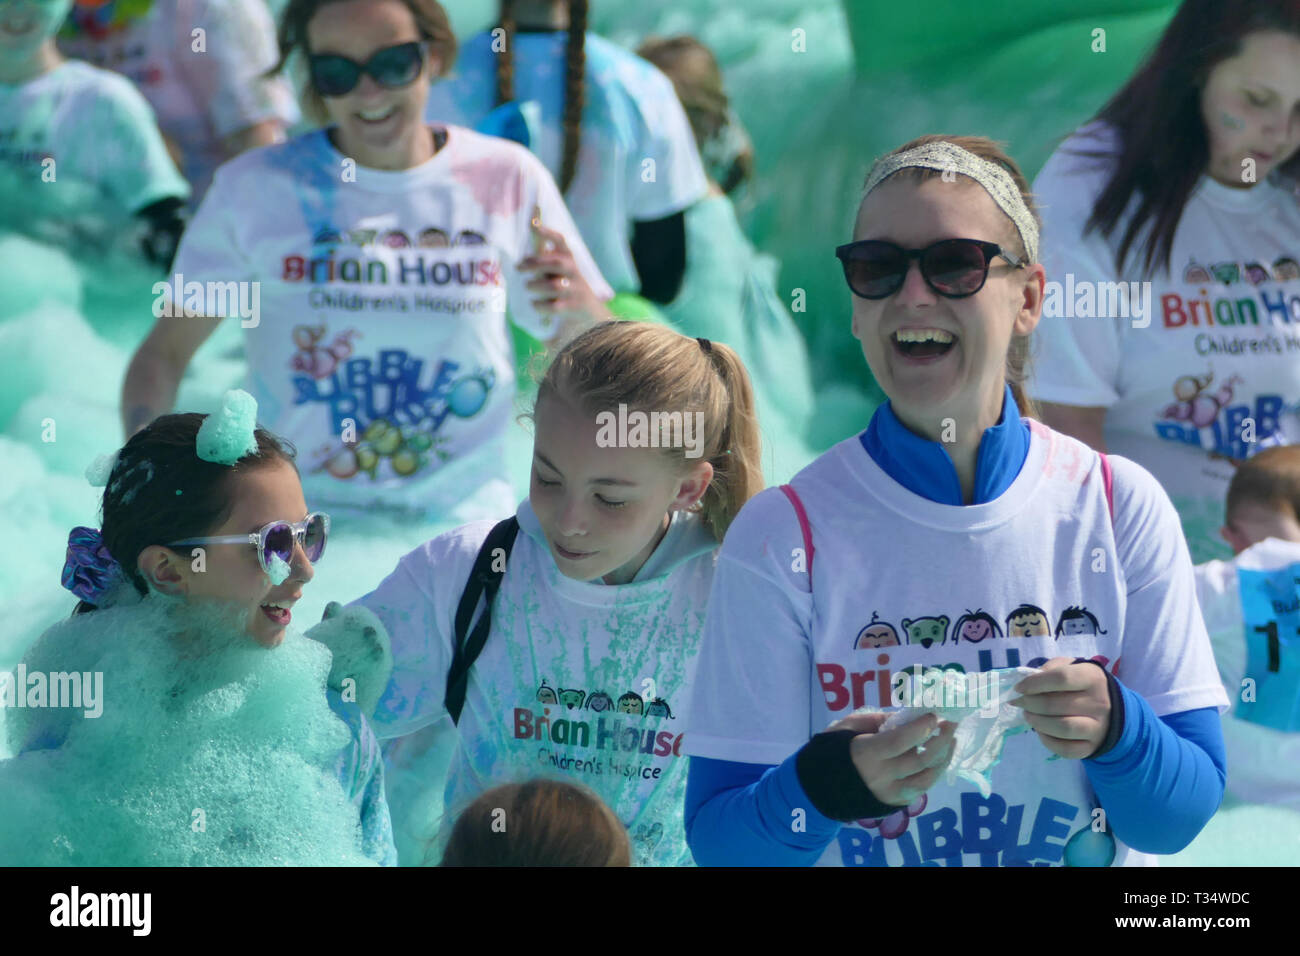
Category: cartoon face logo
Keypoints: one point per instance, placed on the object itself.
(546, 694)
(433, 239)
(362, 237)
(1256, 273)
(326, 235)
(877, 634)
(1227, 272)
(600, 701)
(1077, 620)
(396, 239)
(1285, 269)
(975, 626)
(630, 703)
(658, 708)
(1028, 621)
(572, 698)
(1196, 273)
(468, 237)
(926, 631)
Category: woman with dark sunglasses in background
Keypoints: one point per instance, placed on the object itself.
(385, 253)
(902, 548)
(186, 595)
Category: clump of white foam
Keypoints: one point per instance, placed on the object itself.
(211, 750)
(99, 470)
(227, 435)
(279, 572)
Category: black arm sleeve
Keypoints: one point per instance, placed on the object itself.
(659, 253)
(827, 774)
(165, 221)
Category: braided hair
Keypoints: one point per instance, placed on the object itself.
(575, 67)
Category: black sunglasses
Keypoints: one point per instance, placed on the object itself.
(953, 268)
(392, 68)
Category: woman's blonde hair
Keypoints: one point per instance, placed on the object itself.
(985, 148)
(650, 368)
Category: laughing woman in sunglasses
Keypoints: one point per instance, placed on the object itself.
(952, 533)
(383, 253)
(185, 604)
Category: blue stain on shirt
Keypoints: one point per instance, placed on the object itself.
(924, 467)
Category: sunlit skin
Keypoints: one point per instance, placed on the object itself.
(27, 31)
(966, 384)
(271, 492)
(1251, 522)
(1251, 108)
(603, 510)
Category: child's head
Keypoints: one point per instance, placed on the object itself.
(538, 823)
(634, 421)
(1264, 499)
(160, 492)
(723, 142)
(27, 25)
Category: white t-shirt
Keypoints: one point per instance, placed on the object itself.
(578, 680)
(1252, 611)
(382, 306)
(1221, 355)
(98, 130)
(908, 579)
(637, 159)
(203, 86)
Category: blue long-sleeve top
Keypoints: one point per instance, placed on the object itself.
(1159, 784)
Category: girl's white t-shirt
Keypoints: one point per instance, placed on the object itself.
(381, 348)
(1252, 611)
(199, 63)
(900, 581)
(1216, 372)
(581, 681)
(637, 159)
(98, 132)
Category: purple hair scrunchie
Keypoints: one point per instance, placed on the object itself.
(90, 571)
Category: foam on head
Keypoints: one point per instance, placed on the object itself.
(228, 434)
(210, 749)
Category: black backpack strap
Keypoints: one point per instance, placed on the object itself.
(483, 582)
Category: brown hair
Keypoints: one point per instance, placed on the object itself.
(161, 491)
(1270, 478)
(430, 19)
(987, 149)
(697, 79)
(575, 67)
(650, 367)
(538, 823)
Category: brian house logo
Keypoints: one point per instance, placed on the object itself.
(639, 429)
(178, 298)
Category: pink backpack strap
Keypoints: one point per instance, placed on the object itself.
(804, 526)
(1108, 481)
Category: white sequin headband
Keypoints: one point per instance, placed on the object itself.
(948, 157)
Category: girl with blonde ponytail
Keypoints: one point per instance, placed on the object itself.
(646, 447)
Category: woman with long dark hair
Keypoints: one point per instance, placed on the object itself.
(1184, 191)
